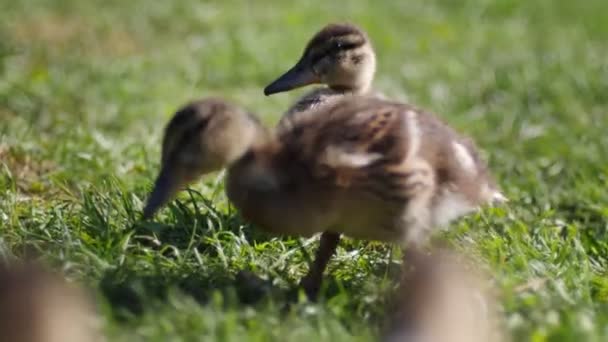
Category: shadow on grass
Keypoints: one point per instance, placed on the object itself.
(129, 295)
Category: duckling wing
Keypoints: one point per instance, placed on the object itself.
(354, 143)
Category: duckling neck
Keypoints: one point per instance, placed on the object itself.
(250, 137)
(357, 90)
(253, 185)
(254, 172)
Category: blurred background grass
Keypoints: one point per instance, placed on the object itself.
(86, 88)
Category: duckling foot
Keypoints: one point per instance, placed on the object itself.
(311, 283)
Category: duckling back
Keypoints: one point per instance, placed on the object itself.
(463, 180)
(309, 104)
(394, 171)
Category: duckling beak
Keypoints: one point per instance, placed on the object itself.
(296, 77)
(165, 188)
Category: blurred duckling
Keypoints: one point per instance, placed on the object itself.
(38, 306)
(339, 56)
(445, 297)
(365, 167)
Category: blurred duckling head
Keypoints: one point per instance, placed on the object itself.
(340, 56)
(444, 296)
(202, 137)
(37, 305)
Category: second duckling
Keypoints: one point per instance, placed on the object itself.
(364, 167)
(340, 56)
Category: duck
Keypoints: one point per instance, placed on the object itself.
(444, 295)
(363, 167)
(341, 57)
(37, 305)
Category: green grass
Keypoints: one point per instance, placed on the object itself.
(87, 86)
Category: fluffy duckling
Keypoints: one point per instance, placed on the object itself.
(37, 306)
(340, 56)
(362, 166)
(444, 297)
(202, 137)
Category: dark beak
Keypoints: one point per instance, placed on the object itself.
(298, 76)
(165, 188)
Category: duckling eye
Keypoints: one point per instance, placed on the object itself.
(336, 47)
(344, 45)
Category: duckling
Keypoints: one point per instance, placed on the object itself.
(365, 167)
(444, 296)
(340, 56)
(38, 306)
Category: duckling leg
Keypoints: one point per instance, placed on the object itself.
(312, 280)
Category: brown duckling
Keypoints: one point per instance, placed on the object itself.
(38, 306)
(364, 167)
(339, 56)
(445, 297)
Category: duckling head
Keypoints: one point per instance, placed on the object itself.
(202, 137)
(444, 296)
(37, 305)
(340, 56)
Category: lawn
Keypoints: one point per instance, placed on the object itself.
(86, 88)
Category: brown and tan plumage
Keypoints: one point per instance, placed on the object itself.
(364, 167)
